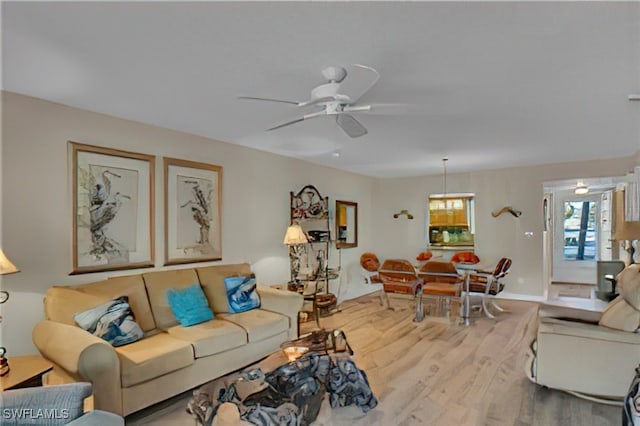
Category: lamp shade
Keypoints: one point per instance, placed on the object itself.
(6, 267)
(295, 235)
(624, 230)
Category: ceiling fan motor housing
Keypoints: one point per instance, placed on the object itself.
(334, 74)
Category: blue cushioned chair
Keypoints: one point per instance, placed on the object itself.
(52, 406)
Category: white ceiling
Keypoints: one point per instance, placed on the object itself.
(497, 84)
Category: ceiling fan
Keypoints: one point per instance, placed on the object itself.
(337, 97)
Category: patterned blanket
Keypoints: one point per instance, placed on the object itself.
(290, 395)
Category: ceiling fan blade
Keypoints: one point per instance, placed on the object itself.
(288, 123)
(359, 80)
(386, 109)
(253, 98)
(299, 119)
(350, 125)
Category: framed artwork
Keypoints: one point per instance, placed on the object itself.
(113, 200)
(193, 206)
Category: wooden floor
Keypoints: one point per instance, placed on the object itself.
(440, 373)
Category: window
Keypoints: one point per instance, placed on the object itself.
(451, 220)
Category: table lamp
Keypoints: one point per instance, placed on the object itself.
(6, 267)
(294, 238)
(628, 232)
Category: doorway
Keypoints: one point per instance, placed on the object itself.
(578, 234)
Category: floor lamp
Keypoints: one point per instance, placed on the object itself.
(6, 267)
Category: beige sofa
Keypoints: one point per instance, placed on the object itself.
(588, 354)
(169, 359)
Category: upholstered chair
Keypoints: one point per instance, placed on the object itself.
(54, 405)
(467, 257)
(442, 282)
(369, 265)
(488, 284)
(400, 277)
(587, 356)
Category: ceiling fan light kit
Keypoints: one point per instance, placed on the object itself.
(581, 189)
(338, 96)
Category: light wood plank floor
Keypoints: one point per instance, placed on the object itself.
(439, 373)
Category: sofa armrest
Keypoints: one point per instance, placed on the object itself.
(283, 302)
(79, 352)
(571, 313)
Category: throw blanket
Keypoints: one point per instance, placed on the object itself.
(290, 395)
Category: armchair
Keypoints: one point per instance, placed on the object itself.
(52, 406)
(587, 359)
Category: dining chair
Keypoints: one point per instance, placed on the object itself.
(443, 283)
(488, 284)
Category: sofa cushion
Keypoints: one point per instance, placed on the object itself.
(60, 303)
(242, 293)
(212, 281)
(258, 323)
(211, 337)
(111, 321)
(157, 284)
(620, 315)
(189, 305)
(152, 357)
(131, 286)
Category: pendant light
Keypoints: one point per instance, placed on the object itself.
(445, 233)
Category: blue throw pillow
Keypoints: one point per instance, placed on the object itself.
(112, 321)
(189, 305)
(242, 293)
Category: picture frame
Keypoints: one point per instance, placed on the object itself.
(192, 211)
(113, 209)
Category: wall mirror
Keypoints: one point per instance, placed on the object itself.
(346, 224)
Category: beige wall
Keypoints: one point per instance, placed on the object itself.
(495, 237)
(36, 215)
(36, 205)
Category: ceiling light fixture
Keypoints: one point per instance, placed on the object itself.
(581, 189)
(634, 97)
(336, 154)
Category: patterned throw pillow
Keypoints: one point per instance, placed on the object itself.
(189, 305)
(242, 293)
(112, 321)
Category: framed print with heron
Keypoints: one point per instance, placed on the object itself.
(193, 205)
(113, 201)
